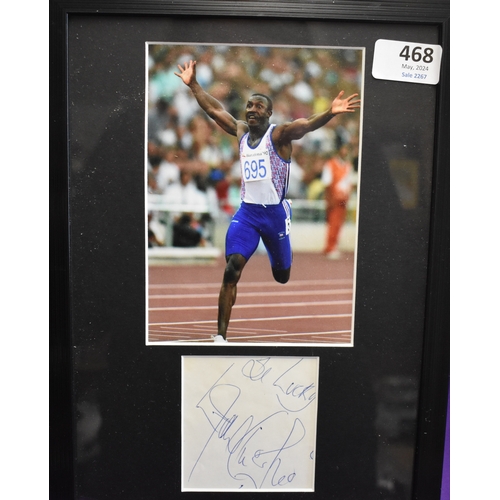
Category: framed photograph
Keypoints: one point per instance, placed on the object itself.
(196, 184)
(197, 147)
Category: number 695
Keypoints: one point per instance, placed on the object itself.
(253, 169)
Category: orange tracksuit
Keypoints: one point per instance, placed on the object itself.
(337, 193)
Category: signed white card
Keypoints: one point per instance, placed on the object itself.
(249, 423)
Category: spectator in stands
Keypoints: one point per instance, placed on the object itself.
(185, 192)
(163, 172)
(158, 119)
(187, 232)
(169, 170)
(194, 206)
(337, 178)
(153, 238)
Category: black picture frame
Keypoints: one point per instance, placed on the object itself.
(71, 372)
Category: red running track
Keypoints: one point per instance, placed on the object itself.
(315, 307)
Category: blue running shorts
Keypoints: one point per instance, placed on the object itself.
(269, 222)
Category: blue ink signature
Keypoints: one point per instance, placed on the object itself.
(255, 453)
(294, 396)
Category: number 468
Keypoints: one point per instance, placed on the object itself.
(416, 54)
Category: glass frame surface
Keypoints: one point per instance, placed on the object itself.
(67, 308)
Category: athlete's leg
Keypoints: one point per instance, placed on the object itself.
(276, 238)
(227, 295)
(242, 239)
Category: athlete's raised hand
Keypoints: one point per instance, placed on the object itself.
(188, 73)
(212, 107)
(347, 105)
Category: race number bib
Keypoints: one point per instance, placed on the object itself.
(256, 168)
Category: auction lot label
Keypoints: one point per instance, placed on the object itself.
(407, 62)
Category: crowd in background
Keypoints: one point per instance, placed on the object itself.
(191, 160)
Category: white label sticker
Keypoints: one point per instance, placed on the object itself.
(407, 62)
(256, 167)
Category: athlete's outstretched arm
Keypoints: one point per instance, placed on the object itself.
(209, 104)
(300, 127)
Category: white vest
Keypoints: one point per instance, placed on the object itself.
(264, 174)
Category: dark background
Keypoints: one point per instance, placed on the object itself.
(120, 435)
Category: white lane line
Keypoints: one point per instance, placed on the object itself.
(331, 332)
(317, 335)
(255, 306)
(249, 320)
(250, 284)
(180, 296)
(195, 329)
